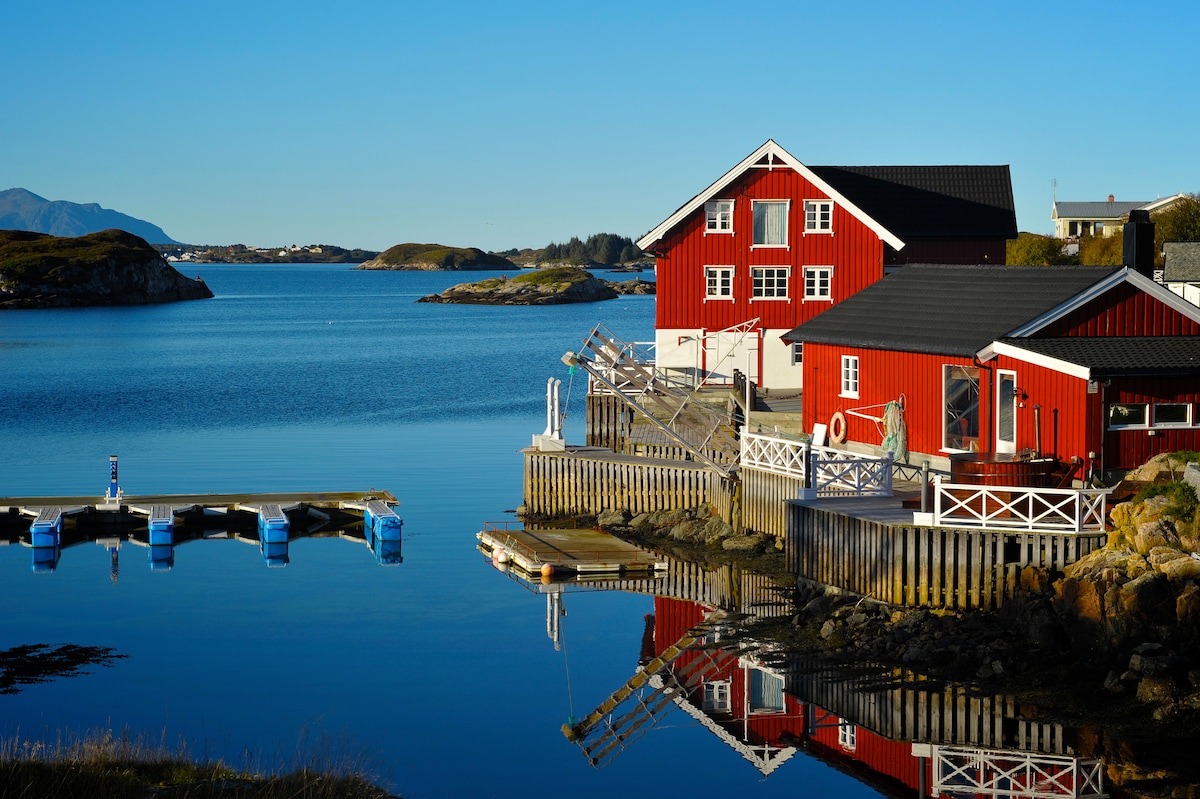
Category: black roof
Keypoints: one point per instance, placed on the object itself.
(947, 309)
(930, 201)
(1121, 356)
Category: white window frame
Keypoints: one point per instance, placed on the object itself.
(1141, 423)
(850, 376)
(812, 292)
(818, 217)
(787, 212)
(847, 735)
(717, 696)
(718, 217)
(1187, 422)
(718, 272)
(798, 353)
(757, 274)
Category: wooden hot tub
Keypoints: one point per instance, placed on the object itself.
(1004, 469)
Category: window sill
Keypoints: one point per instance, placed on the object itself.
(818, 299)
(718, 299)
(770, 299)
(846, 395)
(818, 233)
(770, 246)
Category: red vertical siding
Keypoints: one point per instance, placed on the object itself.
(1127, 449)
(855, 252)
(1124, 311)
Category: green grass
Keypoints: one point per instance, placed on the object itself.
(103, 766)
(553, 275)
(440, 254)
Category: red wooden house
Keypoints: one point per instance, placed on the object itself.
(1096, 363)
(772, 243)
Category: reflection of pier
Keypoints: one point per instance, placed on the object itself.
(161, 523)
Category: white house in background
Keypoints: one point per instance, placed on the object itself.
(1075, 219)
(1181, 269)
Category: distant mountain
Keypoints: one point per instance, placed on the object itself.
(21, 209)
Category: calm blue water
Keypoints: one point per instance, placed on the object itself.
(437, 671)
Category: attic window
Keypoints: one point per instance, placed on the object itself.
(770, 223)
(718, 216)
(818, 216)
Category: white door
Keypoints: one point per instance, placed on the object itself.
(1006, 411)
(725, 351)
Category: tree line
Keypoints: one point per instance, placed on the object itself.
(1179, 222)
(599, 248)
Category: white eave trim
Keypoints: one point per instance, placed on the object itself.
(1036, 359)
(788, 161)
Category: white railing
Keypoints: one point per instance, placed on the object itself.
(825, 471)
(1058, 510)
(1027, 775)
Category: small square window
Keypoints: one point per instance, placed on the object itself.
(718, 282)
(818, 282)
(850, 376)
(770, 223)
(718, 216)
(797, 353)
(771, 282)
(1172, 414)
(1128, 414)
(716, 696)
(818, 216)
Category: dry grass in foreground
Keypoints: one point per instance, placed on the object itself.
(103, 766)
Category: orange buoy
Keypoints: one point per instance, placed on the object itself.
(837, 428)
(547, 570)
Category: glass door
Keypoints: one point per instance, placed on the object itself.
(1006, 411)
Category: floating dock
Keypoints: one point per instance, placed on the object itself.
(551, 551)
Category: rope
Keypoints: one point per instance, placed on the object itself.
(562, 417)
(567, 667)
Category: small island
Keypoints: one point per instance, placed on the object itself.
(554, 286)
(431, 257)
(111, 267)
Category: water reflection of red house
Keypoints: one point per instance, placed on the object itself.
(743, 701)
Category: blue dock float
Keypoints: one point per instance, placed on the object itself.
(272, 524)
(161, 525)
(382, 521)
(46, 528)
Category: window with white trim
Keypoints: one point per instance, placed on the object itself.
(770, 282)
(718, 216)
(716, 696)
(818, 216)
(1172, 414)
(818, 283)
(797, 353)
(850, 376)
(770, 223)
(847, 734)
(1128, 414)
(718, 282)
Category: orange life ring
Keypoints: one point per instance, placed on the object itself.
(837, 428)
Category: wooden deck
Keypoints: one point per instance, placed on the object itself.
(582, 551)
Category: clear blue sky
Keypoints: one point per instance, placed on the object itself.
(497, 125)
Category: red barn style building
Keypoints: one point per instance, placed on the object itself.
(1096, 363)
(773, 243)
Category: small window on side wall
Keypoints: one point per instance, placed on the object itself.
(818, 283)
(1172, 414)
(850, 376)
(797, 353)
(718, 282)
(718, 216)
(1128, 414)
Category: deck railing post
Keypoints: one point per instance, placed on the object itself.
(925, 487)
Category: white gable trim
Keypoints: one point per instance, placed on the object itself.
(775, 153)
(1035, 359)
(1126, 275)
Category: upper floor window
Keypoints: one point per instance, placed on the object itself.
(770, 282)
(818, 281)
(718, 216)
(770, 223)
(818, 216)
(850, 376)
(718, 282)
(716, 696)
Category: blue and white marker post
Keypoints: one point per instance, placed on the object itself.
(112, 498)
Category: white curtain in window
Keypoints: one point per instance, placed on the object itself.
(770, 223)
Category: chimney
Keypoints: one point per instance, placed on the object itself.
(1111, 198)
(1139, 242)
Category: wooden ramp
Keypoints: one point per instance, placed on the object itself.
(578, 550)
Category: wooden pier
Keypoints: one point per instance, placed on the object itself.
(551, 551)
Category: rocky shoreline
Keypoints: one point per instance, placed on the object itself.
(107, 268)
